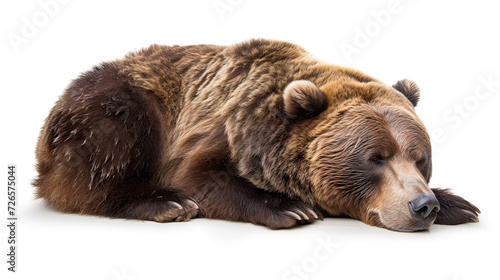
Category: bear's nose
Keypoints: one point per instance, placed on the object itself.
(424, 208)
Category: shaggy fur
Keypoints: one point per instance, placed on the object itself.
(260, 132)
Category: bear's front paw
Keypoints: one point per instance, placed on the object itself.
(291, 213)
(181, 210)
(454, 209)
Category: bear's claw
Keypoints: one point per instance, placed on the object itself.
(473, 217)
(293, 215)
(178, 211)
(282, 212)
(305, 215)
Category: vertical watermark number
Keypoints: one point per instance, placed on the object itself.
(11, 218)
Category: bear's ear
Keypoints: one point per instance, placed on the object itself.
(303, 99)
(409, 89)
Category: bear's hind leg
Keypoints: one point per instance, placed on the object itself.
(100, 151)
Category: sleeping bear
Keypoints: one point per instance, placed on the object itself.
(259, 132)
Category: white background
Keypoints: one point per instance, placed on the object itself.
(447, 47)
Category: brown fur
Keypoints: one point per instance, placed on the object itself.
(260, 132)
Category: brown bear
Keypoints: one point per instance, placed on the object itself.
(260, 132)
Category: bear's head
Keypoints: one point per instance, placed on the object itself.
(368, 154)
